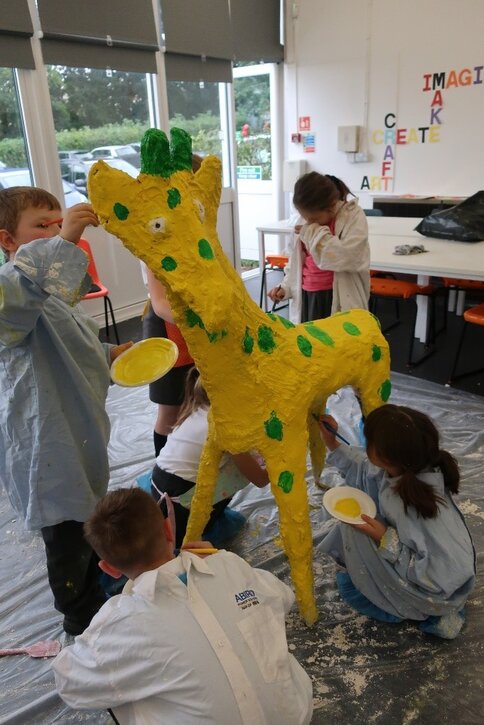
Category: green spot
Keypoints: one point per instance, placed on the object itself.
(272, 316)
(205, 250)
(174, 198)
(319, 334)
(286, 480)
(286, 323)
(248, 342)
(273, 427)
(304, 345)
(385, 390)
(376, 353)
(265, 339)
(121, 211)
(214, 336)
(193, 319)
(168, 264)
(351, 329)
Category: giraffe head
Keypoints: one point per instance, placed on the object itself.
(166, 216)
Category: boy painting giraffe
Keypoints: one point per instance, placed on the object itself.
(265, 377)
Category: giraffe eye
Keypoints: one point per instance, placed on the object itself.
(200, 208)
(157, 225)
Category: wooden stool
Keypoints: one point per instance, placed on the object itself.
(473, 316)
(396, 289)
(273, 262)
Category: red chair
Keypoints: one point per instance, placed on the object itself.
(473, 316)
(395, 290)
(272, 262)
(98, 289)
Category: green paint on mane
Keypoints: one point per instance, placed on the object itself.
(161, 158)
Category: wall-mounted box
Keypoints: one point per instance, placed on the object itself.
(291, 171)
(348, 138)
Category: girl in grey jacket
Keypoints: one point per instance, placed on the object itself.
(414, 560)
(328, 270)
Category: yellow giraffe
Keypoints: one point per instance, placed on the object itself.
(264, 376)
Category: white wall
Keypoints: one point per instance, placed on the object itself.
(353, 61)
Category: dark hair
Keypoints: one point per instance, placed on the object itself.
(315, 192)
(16, 199)
(195, 396)
(126, 528)
(408, 439)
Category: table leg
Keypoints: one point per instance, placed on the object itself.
(262, 250)
(461, 302)
(422, 321)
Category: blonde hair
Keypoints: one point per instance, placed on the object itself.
(195, 396)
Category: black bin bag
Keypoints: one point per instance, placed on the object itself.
(463, 222)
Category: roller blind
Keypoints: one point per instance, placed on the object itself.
(119, 34)
(198, 40)
(15, 33)
(256, 30)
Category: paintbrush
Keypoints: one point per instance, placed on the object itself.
(331, 429)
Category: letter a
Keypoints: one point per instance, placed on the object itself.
(437, 99)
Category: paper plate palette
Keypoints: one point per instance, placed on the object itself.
(347, 504)
(144, 362)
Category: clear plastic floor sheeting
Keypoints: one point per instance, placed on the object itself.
(363, 671)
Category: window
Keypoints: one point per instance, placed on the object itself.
(195, 107)
(98, 114)
(13, 151)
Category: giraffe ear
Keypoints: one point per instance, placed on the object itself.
(209, 183)
(181, 149)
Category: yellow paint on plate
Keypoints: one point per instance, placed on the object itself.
(348, 507)
(145, 362)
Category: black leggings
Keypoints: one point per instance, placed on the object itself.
(174, 486)
(73, 571)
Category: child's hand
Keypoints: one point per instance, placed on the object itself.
(276, 294)
(76, 219)
(118, 349)
(328, 437)
(372, 528)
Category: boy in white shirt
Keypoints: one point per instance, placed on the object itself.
(190, 640)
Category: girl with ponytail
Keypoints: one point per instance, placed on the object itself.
(414, 560)
(328, 270)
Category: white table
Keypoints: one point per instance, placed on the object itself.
(443, 258)
(282, 228)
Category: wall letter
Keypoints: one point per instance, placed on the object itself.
(412, 136)
(375, 183)
(401, 135)
(377, 136)
(387, 123)
(389, 135)
(437, 99)
(452, 79)
(434, 134)
(385, 182)
(388, 153)
(427, 77)
(465, 77)
(434, 115)
(424, 130)
(385, 167)
(438, 80)
(365, 184)
(478, 69)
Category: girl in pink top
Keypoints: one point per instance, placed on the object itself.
(328, 270)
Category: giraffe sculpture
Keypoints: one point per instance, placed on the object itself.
(265, 377)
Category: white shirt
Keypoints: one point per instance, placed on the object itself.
(181, 456)
(213, 651)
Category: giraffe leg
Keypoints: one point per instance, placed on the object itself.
(317, 448)
(288, 485)
(208, 470)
